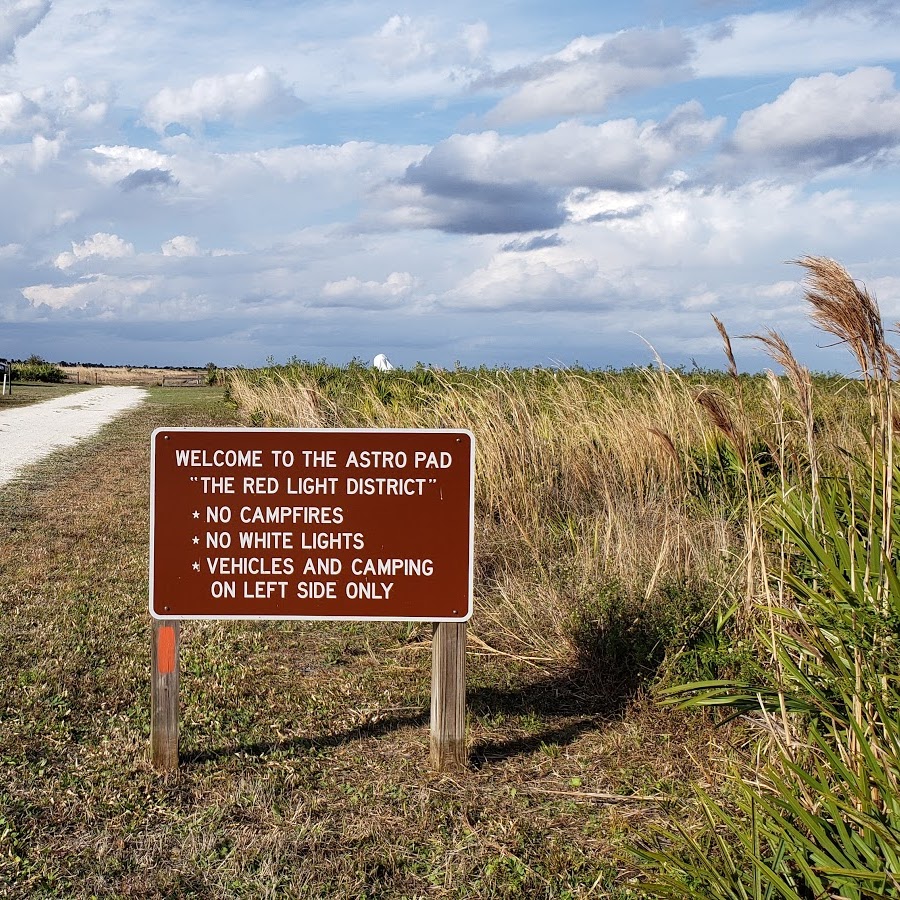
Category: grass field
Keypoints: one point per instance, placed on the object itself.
(138, 376)
(304, 747)
(25, 394)
(730, 543)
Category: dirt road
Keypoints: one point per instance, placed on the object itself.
(33, 432)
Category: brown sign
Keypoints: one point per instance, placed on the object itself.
(311, 524)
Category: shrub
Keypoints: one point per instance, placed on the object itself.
(37, 369)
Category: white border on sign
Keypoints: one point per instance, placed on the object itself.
(471, 578)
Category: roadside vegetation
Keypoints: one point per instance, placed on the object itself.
(35, 368)
(728, 543)
(24, 394)
(682, 664)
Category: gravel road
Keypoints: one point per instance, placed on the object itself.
(33, 432)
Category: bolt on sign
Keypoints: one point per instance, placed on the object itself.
(368, 524)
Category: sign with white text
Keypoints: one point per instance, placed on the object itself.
(312, 524)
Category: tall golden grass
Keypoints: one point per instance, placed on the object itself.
(634, 489)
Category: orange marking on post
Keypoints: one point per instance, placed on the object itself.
(165, 650)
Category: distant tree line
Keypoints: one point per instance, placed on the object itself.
(100, 365)
(36, 368)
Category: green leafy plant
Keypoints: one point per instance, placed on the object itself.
(37, 369)
(821, 818)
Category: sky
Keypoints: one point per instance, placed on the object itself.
(499, 183)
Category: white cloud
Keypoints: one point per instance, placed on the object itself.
(407, 44)
(21, 115)
(45, 150)
(111, 164)
(682, 252)
(83, 105)
(887, 292)
(365, 162)
(56, 296)
(546, 280)
(100, 246)
(106, 295)
(401, 42)
(18, 18)
(589, 72)
(44, 111)
(773, 43)
(475, 38)
(826, 120)
(623, 153)
(718, 229)
(778, 289)
(702, 299)
(353, 291)
(239, 201)
(257, 94)
(181, 245)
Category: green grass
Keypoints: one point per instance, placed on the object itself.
(24, 394)
(304, 745)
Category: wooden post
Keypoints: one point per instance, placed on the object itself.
(164, 693)
(448, 696)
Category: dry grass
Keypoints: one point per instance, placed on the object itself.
(602, 501)
(134, 376)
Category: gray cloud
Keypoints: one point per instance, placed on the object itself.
(489, 184)
(837, 150)
(518, 75)
(642, 48)
(472, 206)
(141, 178)
(634, 212)
(538, 242)
(721, 32)
(18, 18)
(20, 115)
(878, 10)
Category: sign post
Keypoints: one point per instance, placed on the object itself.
(320, 524)
(164, 662)
(448, 696)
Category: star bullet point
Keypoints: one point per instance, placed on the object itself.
(196, 567)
